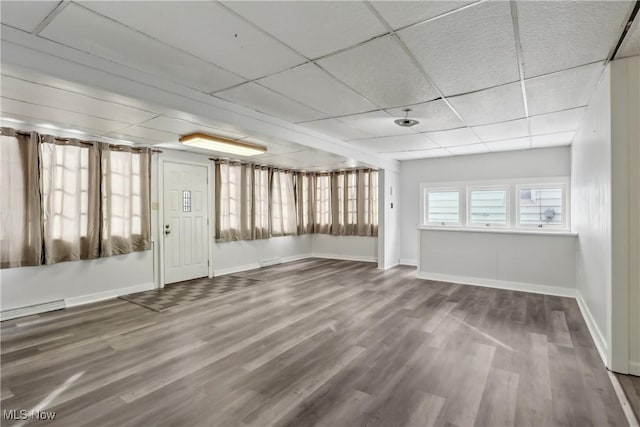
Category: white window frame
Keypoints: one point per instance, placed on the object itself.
(424, 205)
(566, 205)
(501, 187)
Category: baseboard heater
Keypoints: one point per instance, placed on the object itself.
(31, 310)
(268, 262)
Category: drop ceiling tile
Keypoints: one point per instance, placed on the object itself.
(62, 129)
(67, 119)
(21, 90)
(376, 123)
(312, 86)
(381, 71)
(396, 143)
(631, 44)
(313, 28)
(276, 148)
(505, 130)
(87, 31)
(265, 100)
(451, 138)
(432, 115)
(557, 35)
(418, 154)
(145, 134)
(25, 15)
(335, 128)
(510, 144)
(498, 104)
(399, 14)
(553, 140)
(183, 127)
(468, 50)
(556, 122)
(206, 30)
(562, 90)
(468, 149)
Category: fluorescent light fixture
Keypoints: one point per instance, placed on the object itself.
(224, 145)
(10, 119)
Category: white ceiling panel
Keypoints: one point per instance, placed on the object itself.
(265, 100)
(21, 90)
(510, 144)
(145, 134)
(553, 140)
(556, 122)
(312, 86)
(468, 50)
(183, 127)
(60, 129)
(562, 90)
(631, 44)
(462, 150)
(498, 104)
(399, 14)
(505, 130)
(336, 129)
(451, 138)
(557, 35)
(418, 154)
(25, 15)
(82, 29)
(432, 115)
(313, 28)
(396, 143)
(66, 118)
(207, 30)
(382, 71)
(376, 123)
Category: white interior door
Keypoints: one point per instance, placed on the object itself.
(185, 228)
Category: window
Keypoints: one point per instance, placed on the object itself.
(323, 204)
(352, 199)
(261, 203)
(442, 207)
(488, 207)
(541, 206)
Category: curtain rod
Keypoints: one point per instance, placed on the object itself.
(256, 165)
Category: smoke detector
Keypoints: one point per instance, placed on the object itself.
(406, 122)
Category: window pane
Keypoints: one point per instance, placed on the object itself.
(539, 206)
(488, 207)
(443, 207)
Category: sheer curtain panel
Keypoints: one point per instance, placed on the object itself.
(20, 203)
(283, 208)
(70, 199)
(261, 176)
(125, 199)
(234, 196)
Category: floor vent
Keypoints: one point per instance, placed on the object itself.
(31, 309)
(268, 262)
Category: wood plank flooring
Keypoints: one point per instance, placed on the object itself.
(321, 342)
(631, 386)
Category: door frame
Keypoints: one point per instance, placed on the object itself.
(160, 230)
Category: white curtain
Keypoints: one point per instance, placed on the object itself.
(70, 199)
(234, 196)
(283, 208)
(20, 204)
(125, 199)
(367, 203)
(261, 203)
(322, 215)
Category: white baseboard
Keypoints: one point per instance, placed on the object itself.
(14, 313)
(409, 261)
(389, 266)
(596, 334)
(634, 368)
(236, 269)
(500, 284)
(296, 257)
(345, 257)
(112, 293)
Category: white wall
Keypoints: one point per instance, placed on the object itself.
(548, 162)
(357, 248)
(591, 210)
(389, 219)
(530, 262)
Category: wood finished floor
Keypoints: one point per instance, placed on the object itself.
(323, 342)
(631, 386)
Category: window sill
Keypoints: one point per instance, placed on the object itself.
(543, 232)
